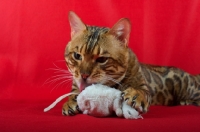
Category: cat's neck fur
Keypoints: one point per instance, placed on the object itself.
(133, 73)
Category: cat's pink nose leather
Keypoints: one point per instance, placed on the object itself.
(84, 76)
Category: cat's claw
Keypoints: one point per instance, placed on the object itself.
(136, 99)
(70, 108)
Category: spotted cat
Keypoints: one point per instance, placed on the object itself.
(101, 55)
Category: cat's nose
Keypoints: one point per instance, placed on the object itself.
(85, 76)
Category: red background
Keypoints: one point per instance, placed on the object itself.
(33, 36)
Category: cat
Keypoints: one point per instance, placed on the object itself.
(101, 55)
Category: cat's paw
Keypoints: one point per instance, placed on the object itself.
(70, 108)
(130, 113)
(137, 99)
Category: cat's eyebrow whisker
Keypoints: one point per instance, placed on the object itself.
(60, 69)
(56, 66)
(60, 61)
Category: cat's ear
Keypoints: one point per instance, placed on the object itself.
(121, 30)
(75, 23)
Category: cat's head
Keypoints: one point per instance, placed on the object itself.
(97, 54)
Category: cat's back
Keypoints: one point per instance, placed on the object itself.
(162, 71)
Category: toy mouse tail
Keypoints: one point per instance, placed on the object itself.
(57, 100)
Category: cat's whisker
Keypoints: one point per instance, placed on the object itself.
(59, 70)
(112, 79)
(61, 78)
(60, 84)
(62, 75)
(60, 61)
(54, 79)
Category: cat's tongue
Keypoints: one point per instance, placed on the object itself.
(83, 86)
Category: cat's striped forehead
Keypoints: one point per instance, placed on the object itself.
(93, 37)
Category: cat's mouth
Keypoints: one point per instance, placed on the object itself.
(83, 85)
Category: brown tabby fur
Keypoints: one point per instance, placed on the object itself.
(101, 55)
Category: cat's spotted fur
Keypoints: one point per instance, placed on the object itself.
(101, 55)
(172, 86)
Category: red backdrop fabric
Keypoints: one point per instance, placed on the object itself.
(33, 36)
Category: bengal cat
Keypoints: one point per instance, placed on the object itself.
(101, 55)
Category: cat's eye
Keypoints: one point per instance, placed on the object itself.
(101, 59)
(77, 56)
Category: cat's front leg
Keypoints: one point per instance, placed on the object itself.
(70, 107)
(137, 98)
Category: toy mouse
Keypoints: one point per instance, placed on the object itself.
(101, 101)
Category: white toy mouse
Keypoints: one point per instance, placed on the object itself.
(101, 101)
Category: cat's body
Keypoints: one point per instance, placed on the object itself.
(172, 86)
(101, 55)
